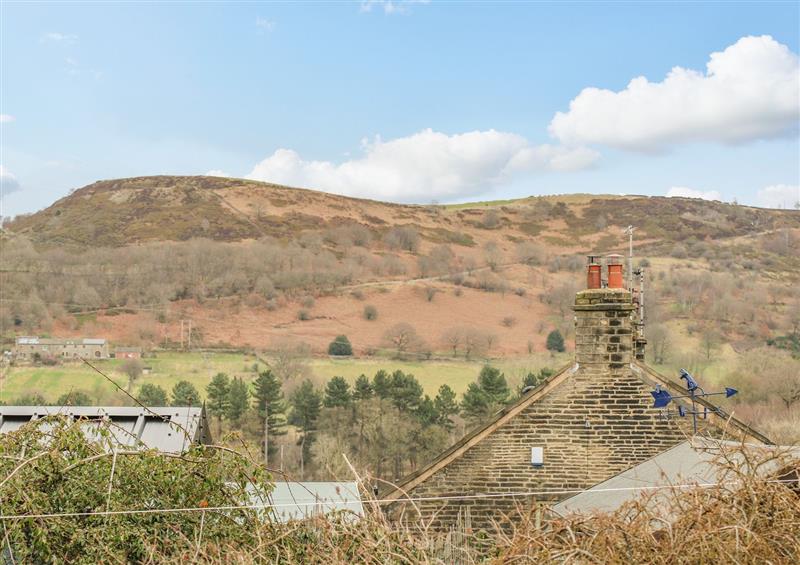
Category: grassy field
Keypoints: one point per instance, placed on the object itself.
(198, 368)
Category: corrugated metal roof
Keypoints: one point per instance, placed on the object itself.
(299, 500)
(170, 429)
(690, 462)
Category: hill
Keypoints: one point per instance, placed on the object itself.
(163, 208)
(177, 263)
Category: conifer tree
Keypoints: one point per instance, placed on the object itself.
(238, 401)
(218, 393)
(152, 395)
(306, 402)
(270, 406)
(446, 406)
(555, 342)
(185, 394)
(337, 393)
(362, 389)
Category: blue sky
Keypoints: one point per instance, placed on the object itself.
(405, 101)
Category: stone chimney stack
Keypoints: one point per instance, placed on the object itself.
(604, 326)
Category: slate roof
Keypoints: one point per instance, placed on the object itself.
(692, 462)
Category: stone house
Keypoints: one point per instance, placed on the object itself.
(28, 348)
(590, 421)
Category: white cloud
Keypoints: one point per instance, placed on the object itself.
(216, 173)
(751, 90)
(779, 196)
(423, 166)
(6, 118)
(684, 192)
(265, 24)
(390, 6)
(60, 37)
(8, 181)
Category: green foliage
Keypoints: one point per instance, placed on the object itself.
(75, 398)
(337, 393)
(485, 396)
(218, 392)
(306, 403)
(66, 472)
(362, 389)
(405, 392)
(152, 395)
(270, 402)
(31, 399)
(340, 346)
(381, 384)
(238, 401)
(555, 342)
(185, 394)
(370, 312)
(446, 406)
(535, 379)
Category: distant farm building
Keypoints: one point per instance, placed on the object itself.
(29, 348)
(168, 429)
(128, 352)
(592, 420)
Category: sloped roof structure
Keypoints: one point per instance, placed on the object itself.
(169, 429)
(693, 462)
(300, 500)
(647, 375)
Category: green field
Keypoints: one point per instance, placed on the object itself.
(198, 368)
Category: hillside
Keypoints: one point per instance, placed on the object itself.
(147, 209)
(275, 273)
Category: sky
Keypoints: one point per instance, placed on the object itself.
(405, 101)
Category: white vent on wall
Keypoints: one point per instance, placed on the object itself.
(537, 456)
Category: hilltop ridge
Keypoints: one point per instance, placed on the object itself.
(177, 208)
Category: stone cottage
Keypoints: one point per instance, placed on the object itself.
(590, 421)
(29, 348)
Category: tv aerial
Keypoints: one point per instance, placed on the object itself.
(662, 398)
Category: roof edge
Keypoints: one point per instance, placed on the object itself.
(468, 441)
(680, 389)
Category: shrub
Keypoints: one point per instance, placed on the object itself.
(358, 294)
(370, 312)
(509, 321)
(303, 315)
(340, 346)
(430, 292)
(307, 301)
(555, 341)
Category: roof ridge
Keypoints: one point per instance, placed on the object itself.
(476, 436)
(676, 386)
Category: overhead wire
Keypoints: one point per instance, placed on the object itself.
(479, 496)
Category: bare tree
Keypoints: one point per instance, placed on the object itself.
(658, 343)
(403, 338)
(452, 339)
(288, 359)
(133, 368)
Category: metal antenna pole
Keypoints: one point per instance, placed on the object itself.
(629, 231)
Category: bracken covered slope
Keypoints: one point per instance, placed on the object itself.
(170, 208)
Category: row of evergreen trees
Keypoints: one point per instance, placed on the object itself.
(385, 424)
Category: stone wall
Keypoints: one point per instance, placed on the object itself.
(597, 422)
(593, 426)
